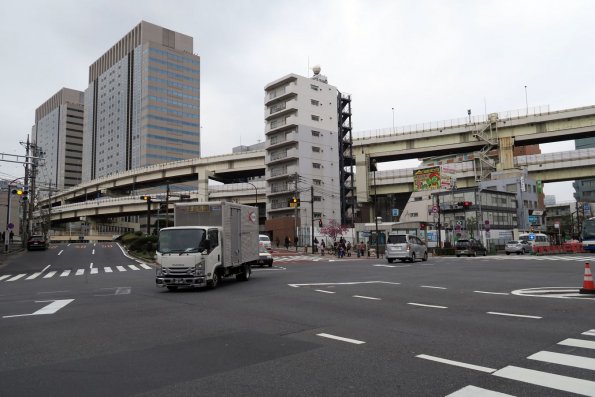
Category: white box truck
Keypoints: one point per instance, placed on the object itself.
(209, 241)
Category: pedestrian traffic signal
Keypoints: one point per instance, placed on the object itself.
(320, 223)
(422, 226)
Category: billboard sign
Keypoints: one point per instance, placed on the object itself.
(426, 179)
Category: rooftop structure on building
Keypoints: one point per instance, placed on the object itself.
(143, 103)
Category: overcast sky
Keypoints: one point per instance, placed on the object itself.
(429, 60)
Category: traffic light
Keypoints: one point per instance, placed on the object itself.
(146, 198)
(467, 204)
(23, 194)
(422, 226)
(320, 223)
(294, 202)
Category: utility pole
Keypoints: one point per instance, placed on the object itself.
(312, 211)
(295, 214)
(26, 205)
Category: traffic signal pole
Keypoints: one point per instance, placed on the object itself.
(312, 211)
(7, 231)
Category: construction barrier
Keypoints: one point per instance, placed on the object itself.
(566, 248)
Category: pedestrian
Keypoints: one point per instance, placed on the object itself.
(11, 236)
(286, 242)
(295, 241)
(322, 246)
(277, 241)
(362, 248)
(348, 248)
(3, 237)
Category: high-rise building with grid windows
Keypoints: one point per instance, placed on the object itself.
(143, 103)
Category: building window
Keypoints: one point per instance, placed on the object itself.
(314, 87)
(317, 198)
(316, 182)
(315, 149)
(316, 165)
(318, 215)
(413, 214)
(419, 198)
(315, 118)
(315, 133)
(314, 102)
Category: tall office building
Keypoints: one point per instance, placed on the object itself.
(58, 135)
(143, 103)
(584, 188)
(306, 147)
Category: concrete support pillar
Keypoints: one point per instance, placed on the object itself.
(203, 184)
(362, 182)
(506, 147)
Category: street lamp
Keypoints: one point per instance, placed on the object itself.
(255, 192)
(526, 101)
(393, 120)
(469, 114)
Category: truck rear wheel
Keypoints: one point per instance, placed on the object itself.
(245, 274)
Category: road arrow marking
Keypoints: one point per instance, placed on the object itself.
(47, 309)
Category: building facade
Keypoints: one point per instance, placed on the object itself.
(143, 103)
(304, 153)
(58, 137)
(584, 188)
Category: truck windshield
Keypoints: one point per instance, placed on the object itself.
(182, 240)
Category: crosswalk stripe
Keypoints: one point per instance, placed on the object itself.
(587, 344)
(144, 266)
(564, 359)
(108, 269)
(590, 332)
(33, 276)
(472, 391)
(121, 268)
(133, 267)
(17, 277)
(546, 379)
(65, 273)
(94, 270)
(5, 276)
(50, 274)
(80, 272)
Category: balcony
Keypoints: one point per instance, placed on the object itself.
(280, 109)
(280, 94)
(280, 156)
(282, 139)
(280, 123)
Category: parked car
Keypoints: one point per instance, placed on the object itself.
(264, 241)
(37, 242)
(470, 248)
(518, 247)
(405, 247)
(264, 257)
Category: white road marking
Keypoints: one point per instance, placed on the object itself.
(50, 274)
(492, 293)
(68, 245)
(430, 286)
(93, 252)
(145, 266)
(15, 278)
(384, 265)
(133, 267)
(108, 269)
(121, 268)
(421, 304)
(54, 292)
(367, 297)
(80, 272)
(340, 338)
(94, 270)
(352, 283)
(586, 344)
(564, 359)
(65, 273)
(33, 276)
(590, 332)
(472, 391)
(48, 309)
(513, 315)
(326, 292)
(546, 379)
(60, 253)
(5, 276)
(456, 363)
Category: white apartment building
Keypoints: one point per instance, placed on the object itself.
(303, 150)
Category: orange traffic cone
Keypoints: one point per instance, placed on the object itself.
(588, 286)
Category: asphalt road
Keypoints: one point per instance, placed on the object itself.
(309, 326)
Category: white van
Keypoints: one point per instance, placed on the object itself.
(538, 239)
(264, 241)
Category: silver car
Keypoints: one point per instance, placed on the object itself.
(405, 247)
(518, 247)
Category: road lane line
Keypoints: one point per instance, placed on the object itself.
(430, 286)
(93, 252)
(65, 273)
(145, 266)
(492, 293)
(107, 269)
(590, 332)
(367, 297)
(50, 274)
(133, 267)
(15, 278)
(473, 391)
(80, 272)
(121, 268)
(586, 344)
(5, 276)
(60, 253)
(340, 338)
(457, 363)
(514, 315)
(546, 379)
(384, 265)
(421, 304)
(351, 283)
(564, 359)
(326, 292)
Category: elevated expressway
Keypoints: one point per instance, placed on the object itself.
(500, 134)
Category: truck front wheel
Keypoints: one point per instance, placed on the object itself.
(215, 281)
